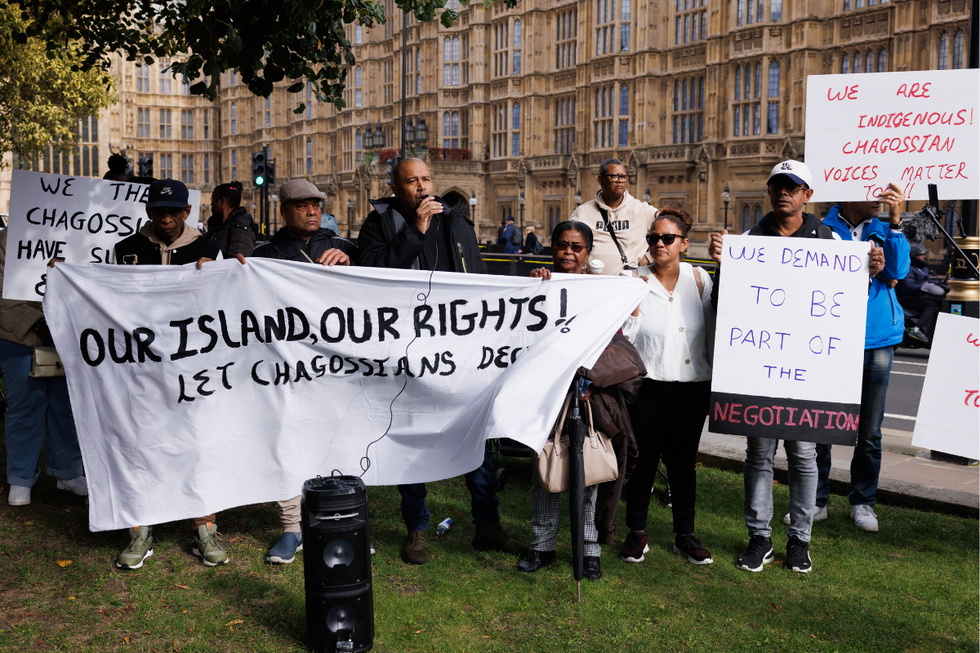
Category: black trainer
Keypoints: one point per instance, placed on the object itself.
(691, 548)
(798, 556)
(634, 547)
(590, 568)
(757, 555)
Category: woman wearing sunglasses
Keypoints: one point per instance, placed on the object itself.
(669, 412)
(613, 380)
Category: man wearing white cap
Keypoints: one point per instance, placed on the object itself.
(789, 189)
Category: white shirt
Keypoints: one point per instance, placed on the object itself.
(670, 330)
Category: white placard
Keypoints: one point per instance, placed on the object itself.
(949, 408)
(789, 342)
(79, 219)
(198, 390)
(914, 128)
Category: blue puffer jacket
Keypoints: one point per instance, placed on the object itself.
(886, 320)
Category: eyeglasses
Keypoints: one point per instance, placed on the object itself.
(616, 177)
(563, 245)
(790, 189)
(653, 239)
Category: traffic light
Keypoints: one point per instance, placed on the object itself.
(270, 173)
(145, 164)
(392, 162)
(260, 168)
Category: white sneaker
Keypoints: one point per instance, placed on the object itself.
(78, 485)
(19, 495)
(865, 518)
(820, 516)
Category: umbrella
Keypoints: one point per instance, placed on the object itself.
(575, 428)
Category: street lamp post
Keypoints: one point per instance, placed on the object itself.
(724, 198)
(473, 207)
(521, 202)
(350, 214)
(578, 198)
(646, 196)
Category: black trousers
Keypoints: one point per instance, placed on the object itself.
(928, 308)
(667, 419)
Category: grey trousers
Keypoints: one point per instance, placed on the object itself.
(544, 519)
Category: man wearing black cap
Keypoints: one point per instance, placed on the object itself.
(302, 239)
(167, 240)
(231, 227)
(789, 190)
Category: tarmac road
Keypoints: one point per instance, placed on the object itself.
(905, 388)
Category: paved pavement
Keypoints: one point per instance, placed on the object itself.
(909, 477)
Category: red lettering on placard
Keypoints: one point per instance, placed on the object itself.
(972, 339)
(915, 90)
(975, 396)
(849, 93)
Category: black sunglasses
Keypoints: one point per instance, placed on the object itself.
(653, 239)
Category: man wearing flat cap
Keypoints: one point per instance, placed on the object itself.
(301, 239)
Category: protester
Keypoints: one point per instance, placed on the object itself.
(885, 328)
(789, 189)
(531, 243)
(166, 239)
(118, 167)
(302, 239)
(668, 414)
(619, 221)
(510, 237)
(618, 368)
(917, 293)
(38, 412)
(416, 230)
(231, 227)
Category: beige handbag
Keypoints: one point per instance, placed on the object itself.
(45, 362)
(597, 454)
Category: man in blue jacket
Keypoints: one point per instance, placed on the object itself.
(884, 330)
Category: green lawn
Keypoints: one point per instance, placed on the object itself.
(911, 587)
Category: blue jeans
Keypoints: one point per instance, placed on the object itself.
(483, 497)
(866, 461)
(801, 456)
(38, 407)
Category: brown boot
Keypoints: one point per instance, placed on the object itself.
(416, 548)
(493, 538)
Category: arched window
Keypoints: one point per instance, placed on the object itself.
(746, 218)
(234, 128)
(943, 51)
(624, 100)
(357, 139)
(517, 33)
(882, 60)
(757, 86)
(515, 147)
(747, 86)
(684, 95)
(447, 49)
(958, 49)
(869, 62)
(858, 66)
(677, 93)
(455, 48)
(86, 169)
(701, 93)
(357, 34)
(445, 124)
(455, 123)
(309, 146)
(357, 76)
(738, 86)
(845, 65)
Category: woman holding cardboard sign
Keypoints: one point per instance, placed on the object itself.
(671, 333)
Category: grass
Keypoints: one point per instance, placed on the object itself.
(911, 587)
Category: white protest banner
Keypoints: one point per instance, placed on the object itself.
(79, 219)
(199, 390)
(914, 128)
(949, 408)
(789, 345)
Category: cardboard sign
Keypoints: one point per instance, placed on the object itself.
(79, 219)
(789, 343)
(914, 128)
(949, 408)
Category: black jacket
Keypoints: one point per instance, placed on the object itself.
(236, 235)
(387, 240)
(288, 246)
(146, 252)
